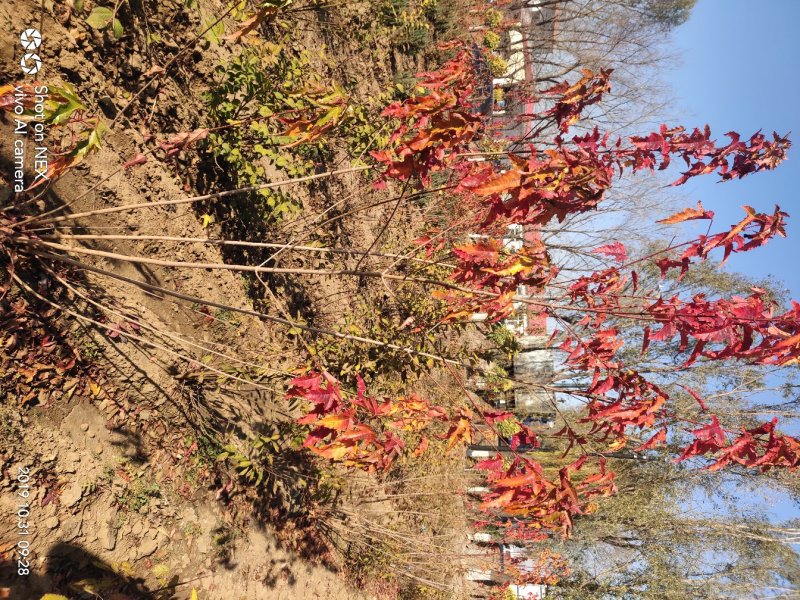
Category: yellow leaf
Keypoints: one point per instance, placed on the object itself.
(194, 594)
(522, 264)
(332, 451)
(617, 444)
(161, 571)
(207, 220)
(96, 389)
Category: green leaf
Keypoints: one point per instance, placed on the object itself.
(116, 28)
(330, 116)
(100, 17)
(63, 111)
(93, 142)
(214, 35)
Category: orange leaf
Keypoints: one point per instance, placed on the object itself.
(688, 214)
(461, 431)
(751, 216)
(659, 438)
(423, 446)
(504, 182)
(333, 451)
(250, 24)
(522, 264)
(618, 444)
(480, 251)
(499, 502)
(357, 434)
(336, 422)
(517, 480)
(791, 341)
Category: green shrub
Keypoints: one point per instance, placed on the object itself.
(497, 65)
(493, 18)
(248, 90)
(508, 427)
(491, 40)
(504, 339)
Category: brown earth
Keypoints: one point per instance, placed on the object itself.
(122, 498)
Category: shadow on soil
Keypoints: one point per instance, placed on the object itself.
(71, 571)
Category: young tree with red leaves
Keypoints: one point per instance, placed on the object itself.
(623, 408)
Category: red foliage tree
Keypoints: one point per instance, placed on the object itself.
(437, 130)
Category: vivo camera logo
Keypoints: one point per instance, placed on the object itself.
(30, 39)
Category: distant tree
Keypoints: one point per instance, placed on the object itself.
(652, 542)
(667, 13)
(565, 36)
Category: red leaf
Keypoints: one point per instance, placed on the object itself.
(616, 251)
(524, 437)
(491, 464)
(696, 396)
(711, 433)
(495, 416)
(603, 386)
(646, 339)
(484, 252)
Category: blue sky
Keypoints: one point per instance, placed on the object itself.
(740, 72)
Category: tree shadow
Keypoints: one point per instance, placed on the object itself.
(76, 573)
